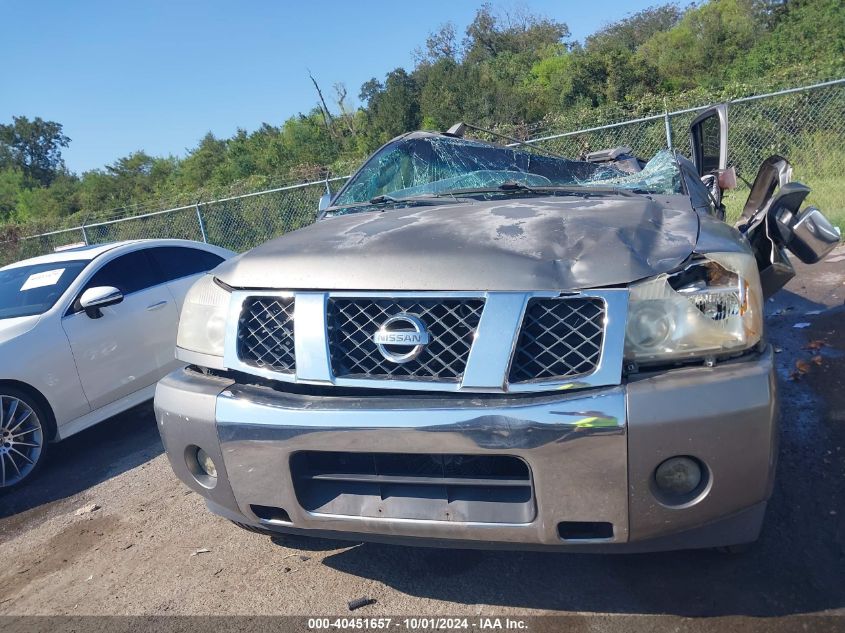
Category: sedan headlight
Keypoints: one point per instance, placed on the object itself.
(711, 308)
(202, 326)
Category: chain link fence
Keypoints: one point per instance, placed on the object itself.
(237, 223)
(806, 125)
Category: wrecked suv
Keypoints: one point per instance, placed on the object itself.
(487, 346)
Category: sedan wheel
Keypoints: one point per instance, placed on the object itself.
(21, 439)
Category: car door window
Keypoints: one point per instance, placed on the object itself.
(175, 262)
(128, 273)
(130, 347)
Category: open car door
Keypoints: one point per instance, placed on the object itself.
(709, 141)
(772, 219)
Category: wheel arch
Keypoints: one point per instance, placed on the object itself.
(42, 401)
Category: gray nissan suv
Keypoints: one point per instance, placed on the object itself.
(480, 345)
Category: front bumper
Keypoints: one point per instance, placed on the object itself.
(591, 454)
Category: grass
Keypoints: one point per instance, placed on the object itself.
(827, 194)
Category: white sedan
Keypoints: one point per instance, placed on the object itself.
(85, 334)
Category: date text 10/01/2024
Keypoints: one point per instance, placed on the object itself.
(413, 624)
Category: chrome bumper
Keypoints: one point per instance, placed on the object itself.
(591, 454)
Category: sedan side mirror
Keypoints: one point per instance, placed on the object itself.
(100, 297)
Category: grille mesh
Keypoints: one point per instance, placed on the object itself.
(265, 333)
(451, 324)
(560, 338)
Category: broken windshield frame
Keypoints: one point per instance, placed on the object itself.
(420, 167)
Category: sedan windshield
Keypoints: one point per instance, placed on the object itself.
(427, 166)
(29, 290)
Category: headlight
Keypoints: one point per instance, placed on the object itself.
(202, 325)
(711, 308)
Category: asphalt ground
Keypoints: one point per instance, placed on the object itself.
(143, 551)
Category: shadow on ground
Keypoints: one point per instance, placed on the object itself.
(86, 459)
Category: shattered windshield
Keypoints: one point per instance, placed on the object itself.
(426, 166)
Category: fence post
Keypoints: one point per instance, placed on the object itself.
(668, 124)
(202, 224)
(84, 234)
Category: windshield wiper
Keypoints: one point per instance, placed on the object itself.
(384, 200)
(512, 186)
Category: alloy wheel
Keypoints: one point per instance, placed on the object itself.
(21, 440)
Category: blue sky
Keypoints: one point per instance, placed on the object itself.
(158, 75)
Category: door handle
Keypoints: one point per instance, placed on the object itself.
(157, 306)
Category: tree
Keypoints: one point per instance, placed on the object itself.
(634, 30)
(490, 35)
(439, 45)
(392, 108)
(34, 147)
(704, 44)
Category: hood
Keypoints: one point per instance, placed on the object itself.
(12, 328)
(549, 243)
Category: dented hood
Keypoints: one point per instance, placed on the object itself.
(549, 243)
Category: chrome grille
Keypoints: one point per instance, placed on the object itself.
(265, 333)
(560, 338)
(451, 324)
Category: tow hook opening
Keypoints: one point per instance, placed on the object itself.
(271, 514)
(585, 530)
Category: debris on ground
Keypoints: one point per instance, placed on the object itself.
(803, 366)
(91, 507)
(360, 602)
(201, 550)
(812, 313)
(801, 325)
(815, 345)
(304, 558)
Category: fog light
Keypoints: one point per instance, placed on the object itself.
(678, 476)
(206, 464)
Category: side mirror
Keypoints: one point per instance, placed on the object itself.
(808, 234)
(100, 297)
(709, 140)
(325, 201)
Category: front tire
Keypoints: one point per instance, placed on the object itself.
(23, 437)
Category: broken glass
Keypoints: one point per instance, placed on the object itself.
(423, 165)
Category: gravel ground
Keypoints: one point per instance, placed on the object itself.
(151, 548)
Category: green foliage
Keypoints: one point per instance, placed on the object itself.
(807, 40)
(515, 71)
(34, 147)
(704, 44)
